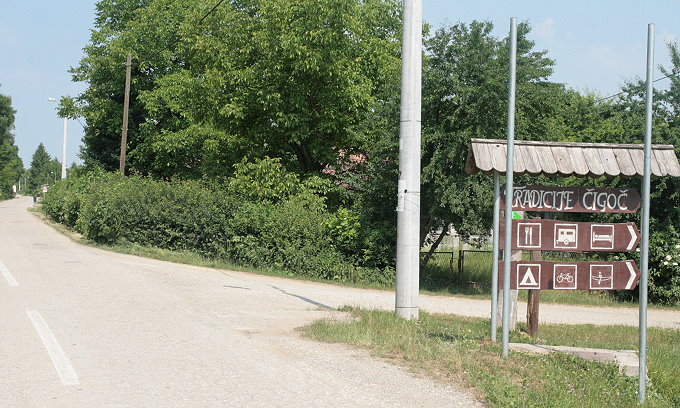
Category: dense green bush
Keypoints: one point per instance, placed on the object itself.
(65, 198)
(664, 270)
(262, 217)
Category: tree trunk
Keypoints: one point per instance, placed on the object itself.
(533, 302)
(304, 158)
(434, 246)
(424, 231)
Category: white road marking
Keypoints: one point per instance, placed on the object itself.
(8, 276)
(61, 363)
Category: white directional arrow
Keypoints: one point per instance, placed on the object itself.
(629, 285)
(633, 238)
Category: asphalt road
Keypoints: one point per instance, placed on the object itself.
(83, 327)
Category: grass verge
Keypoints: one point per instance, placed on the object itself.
(455, 349)
(186, 257)
(436, 279)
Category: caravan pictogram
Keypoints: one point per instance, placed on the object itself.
(566, 236)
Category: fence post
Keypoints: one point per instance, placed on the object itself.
(451, 263)
(533, 302)
(461, 262)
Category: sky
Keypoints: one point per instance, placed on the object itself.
(597, 45)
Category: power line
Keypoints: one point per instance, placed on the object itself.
(210, 12)
(622, 92)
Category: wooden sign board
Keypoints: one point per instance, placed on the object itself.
(574, 199)
(553, 235)
(550, 275)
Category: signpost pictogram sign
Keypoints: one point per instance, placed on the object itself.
(595, 275)
(552, 235)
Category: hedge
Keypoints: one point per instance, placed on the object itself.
(292, 231)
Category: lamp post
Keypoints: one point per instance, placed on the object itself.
(63, 145)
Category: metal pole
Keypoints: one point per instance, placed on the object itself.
(408, 197)
(644, 247)
(509, 187)
(494, 266)
(63, 150)
(126, 105)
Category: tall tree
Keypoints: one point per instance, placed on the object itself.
(465, 96)
(295, 80)
(11, 166)
(43, 170)
(101, 104)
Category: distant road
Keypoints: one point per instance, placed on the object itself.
(83, 327)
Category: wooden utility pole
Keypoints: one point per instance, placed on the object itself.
(126, 106)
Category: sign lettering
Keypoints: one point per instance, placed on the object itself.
(574, 199)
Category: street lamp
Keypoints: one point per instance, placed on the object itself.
(63, 146)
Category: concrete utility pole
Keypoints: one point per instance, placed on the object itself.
(408, 197)
(126, 106)
(63, 144)
(63, 150)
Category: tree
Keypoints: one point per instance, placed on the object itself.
(465, 96)
(101, 104)
(11, 166)
(294, 80)
(44, 170)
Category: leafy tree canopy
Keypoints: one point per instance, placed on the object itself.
(264, 77)
(11, 166)
(44, 170)
(465, 96)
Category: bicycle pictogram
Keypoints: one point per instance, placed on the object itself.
(565, 277)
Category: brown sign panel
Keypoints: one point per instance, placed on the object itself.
(574, 199)
(553, 235)
(549, 275)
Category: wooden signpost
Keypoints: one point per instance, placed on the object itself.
(565, 236)
(574, 199)
(588, 275)
(553, 235)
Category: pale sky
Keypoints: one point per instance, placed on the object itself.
(597, 44)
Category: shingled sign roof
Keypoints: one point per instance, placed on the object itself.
(567, 159)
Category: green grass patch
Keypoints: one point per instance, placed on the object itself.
(438, 277)
(442, 276)
(455, 349)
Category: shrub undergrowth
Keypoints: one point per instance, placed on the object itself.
(262, 216)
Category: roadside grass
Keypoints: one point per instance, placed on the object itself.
(663, 351)
(456, 349)
(186, 257)
(436, 278)
(441, 276)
